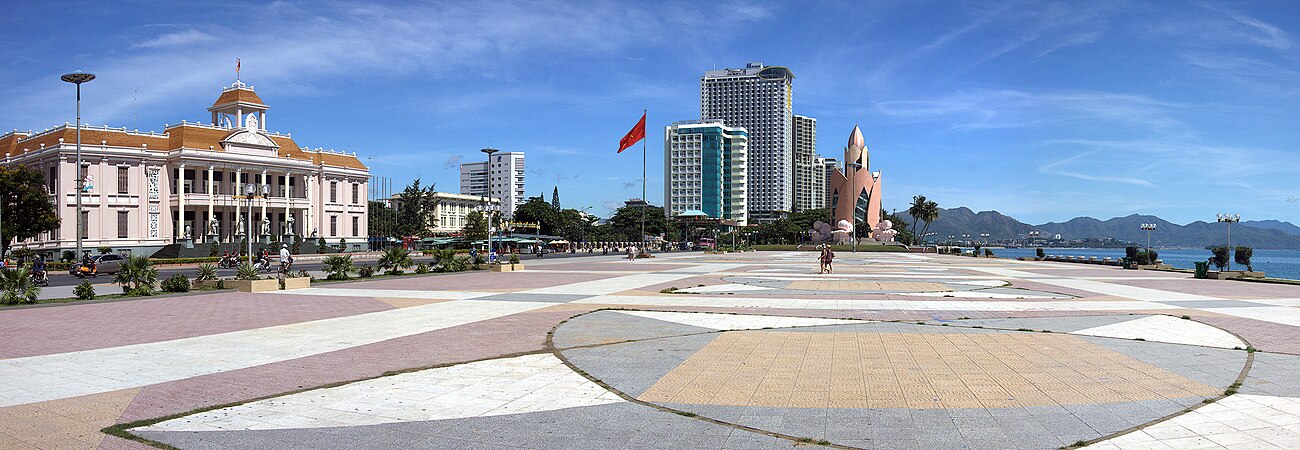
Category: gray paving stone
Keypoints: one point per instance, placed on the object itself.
(607, 326)
(522, 297)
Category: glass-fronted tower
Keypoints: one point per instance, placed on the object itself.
(705, 170)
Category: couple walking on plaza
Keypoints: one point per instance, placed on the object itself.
(825, 258)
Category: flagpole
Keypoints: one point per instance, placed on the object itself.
(643, 196)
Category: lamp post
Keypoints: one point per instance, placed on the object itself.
(1148, 227)
(856, 196)
(77, 78)
(1229, 219)
(985, 237)
(487, 206)
(250, 193)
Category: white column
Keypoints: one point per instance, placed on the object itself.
(288, 196)
(310, 222)
(239, 204)
(180, 202)
(261, 119)
(239, 118)
(212, 200)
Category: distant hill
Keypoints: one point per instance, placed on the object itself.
(1271, 234)
(1285, 227)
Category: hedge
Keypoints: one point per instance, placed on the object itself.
(206, 259)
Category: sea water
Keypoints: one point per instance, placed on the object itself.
(1274, 263)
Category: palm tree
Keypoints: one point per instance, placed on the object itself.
(16, 287)
(917, 209)
(929, 214)
(338, 266)
(137, 276)
(395, 259)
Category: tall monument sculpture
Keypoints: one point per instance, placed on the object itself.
(855, 192)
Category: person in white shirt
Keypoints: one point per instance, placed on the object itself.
(286, 260)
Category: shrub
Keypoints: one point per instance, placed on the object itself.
(212, 249)
(22, 254)
(207, 271)
(296, 248)
(477, 263)
(977, 251)
(365, 271)
(103, 250)
(68, 256)
(1242, 256)
(16, 287)
(176, 283)
(1153, 256)
(84, 291)
(1142, 258)
(1131, 253)
(201, 259)
(320, 245)
(421, 268)
(514, 258)
(137, 276)
(245, 272)
(988, 253)
(1220, 256)
(343, 245)
(337, 267)
(1040, 253)
(394, 260)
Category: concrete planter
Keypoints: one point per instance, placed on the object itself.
(253, 285)
(268, 285)
(501, 267)
(1226, 274)
(517, 266)
(205, 284)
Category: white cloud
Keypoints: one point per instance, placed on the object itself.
(177, 39)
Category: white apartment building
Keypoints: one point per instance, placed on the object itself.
(809, 175)
(757, 98)
(507, 178)
(705, 169)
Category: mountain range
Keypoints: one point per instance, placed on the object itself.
(1263, 234)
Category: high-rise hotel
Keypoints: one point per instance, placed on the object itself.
(757, 99)
(705, 170)
(809, 184)
(506, 171)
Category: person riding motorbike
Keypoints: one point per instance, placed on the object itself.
(39, 274)
(88, 264)
(286, 259)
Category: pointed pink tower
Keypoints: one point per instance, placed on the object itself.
(856, 183)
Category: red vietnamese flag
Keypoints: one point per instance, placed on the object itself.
(637, 134)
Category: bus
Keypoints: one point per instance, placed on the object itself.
(707, 244)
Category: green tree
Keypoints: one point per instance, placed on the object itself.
(536, 209)
(928, 214)
(381, 219)
(1242, 256)
(137, 276)
(555, 199)
(626, 222)
(572, 225)
(415, 206)
(1219, 256)
(916, 209)
(25, 207)
(475, 226)
(905, 234)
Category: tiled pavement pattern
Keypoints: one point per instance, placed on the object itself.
(72, 369)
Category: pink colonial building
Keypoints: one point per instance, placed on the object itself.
(146, 190)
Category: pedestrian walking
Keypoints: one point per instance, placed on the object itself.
(830, 257)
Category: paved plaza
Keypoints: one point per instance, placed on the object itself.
(749, 350)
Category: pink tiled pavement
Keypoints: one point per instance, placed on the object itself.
(1217, 288)
(1265, 336)
(67, 328)
(511, 334)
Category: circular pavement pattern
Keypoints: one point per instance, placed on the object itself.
(976, 384)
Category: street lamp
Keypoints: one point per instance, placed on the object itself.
(487, 206)
(1148, 227)
(250, 193)
(1229, 219)
(985, 238)
(77, 78)
(854, 207)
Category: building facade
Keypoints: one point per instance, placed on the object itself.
(809, 191)
(757, 98)
(449, 211)
(146, 190)
(507, 174)
(829, 167)
(706, 169)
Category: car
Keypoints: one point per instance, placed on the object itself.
(105, 264)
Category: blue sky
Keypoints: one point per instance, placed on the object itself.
(1042, 110)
